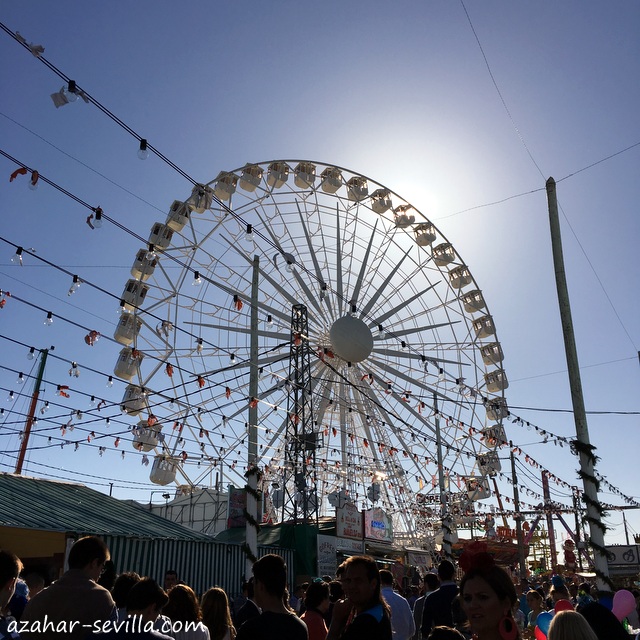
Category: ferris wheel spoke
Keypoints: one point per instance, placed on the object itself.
(338, 265)
(383, 287)
(405, 304)
(393, 373)
(276, 335)
(314, 259)
(408, 355)
(363, 268)
(397, 333)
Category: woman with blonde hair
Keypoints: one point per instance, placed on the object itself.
(570, 625)
(216, 614)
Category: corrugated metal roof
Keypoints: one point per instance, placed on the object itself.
(33, 503)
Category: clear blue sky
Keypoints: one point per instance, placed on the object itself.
(402, 93)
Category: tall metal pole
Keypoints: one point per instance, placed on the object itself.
(251, 531)
(32, 411)
(596, 527)
(550, 531)
(518, 519)
(444, 509)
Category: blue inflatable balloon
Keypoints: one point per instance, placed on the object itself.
(543, 621)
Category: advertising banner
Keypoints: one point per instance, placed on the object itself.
(349, 522)
(327, 563)
(377, 525)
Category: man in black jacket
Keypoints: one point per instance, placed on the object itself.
(437, 605)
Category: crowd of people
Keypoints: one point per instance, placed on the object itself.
(361, 602)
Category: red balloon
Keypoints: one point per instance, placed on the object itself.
(540, 634)
(563, 605)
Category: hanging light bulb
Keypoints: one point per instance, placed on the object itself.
(75, 285)
(197, 280)
(123, 307)
(92, 402)
(269, 320)
(380, 331)
(199, 345)
(97, 222)
(323, 290)
(441, 375)
(17, 257)
(248, 236)
(10, 397)
(49, 319)
(353, 310)
(45, 408)
(71, 92)
(403, 344)
(425, 363)
(151, 253)
(172, 403)
(232, 357)
(110, 382)
(32, 353)
(143, 152)
(20, 379)
(290, 266)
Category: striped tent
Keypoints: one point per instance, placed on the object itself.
(201, 564)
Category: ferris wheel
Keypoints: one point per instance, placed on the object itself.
(363, 307)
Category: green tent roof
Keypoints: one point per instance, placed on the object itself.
(33, 503)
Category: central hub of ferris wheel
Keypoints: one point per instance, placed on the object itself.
(351, 339)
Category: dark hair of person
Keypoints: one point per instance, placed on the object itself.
(216, 614)
(604, 622)
(316, 594)
(122, 586)
(534, 594)
(431, 581)
(85, 550)
(445, 633)
(386, 577)
(10, 567)
(562, 589)
(34, 580)
(183, 604)
(498, 580)
(446, 570)
(145, 592)
(271, 571)
(372, 573)
(248, 586)
(336, 592)
(108, 576)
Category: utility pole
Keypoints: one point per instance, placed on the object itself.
(251, 532)
(585, 450)
(444, 508)
(32, 411)
(518, 519)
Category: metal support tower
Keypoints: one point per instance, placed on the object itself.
(301, 490)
